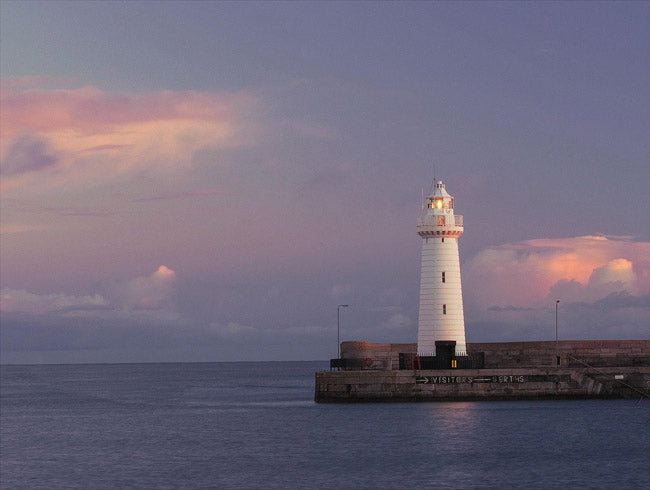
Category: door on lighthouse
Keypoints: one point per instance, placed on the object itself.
(445, 353)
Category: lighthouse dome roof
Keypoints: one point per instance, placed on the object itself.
(439, 190)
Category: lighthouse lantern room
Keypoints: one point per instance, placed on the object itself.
(441, 316)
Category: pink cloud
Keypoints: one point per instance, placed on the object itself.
(88, 109)
(79, 211)
(32, 81)
(85, 134)
(182, 195)
(574, 269)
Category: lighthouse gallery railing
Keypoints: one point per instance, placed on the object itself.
(429, 220)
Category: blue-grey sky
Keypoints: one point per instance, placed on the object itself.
(208, 180)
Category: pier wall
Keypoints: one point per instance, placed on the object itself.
(482, 384)
(511, 371)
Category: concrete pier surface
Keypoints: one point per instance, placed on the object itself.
(507, 371)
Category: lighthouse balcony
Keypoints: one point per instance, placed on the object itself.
(432, 225)
(453, 220)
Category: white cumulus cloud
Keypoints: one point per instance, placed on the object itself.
(22, 301)
(150, 292)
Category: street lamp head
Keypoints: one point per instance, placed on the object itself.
(343, 306)
(557, 301)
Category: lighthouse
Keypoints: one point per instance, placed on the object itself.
(441, 315)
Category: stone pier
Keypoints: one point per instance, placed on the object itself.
(510, 371)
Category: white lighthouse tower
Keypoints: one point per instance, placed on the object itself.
(441, 295)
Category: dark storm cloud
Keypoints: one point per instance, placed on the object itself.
(28, 153)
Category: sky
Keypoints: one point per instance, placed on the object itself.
(207, 181)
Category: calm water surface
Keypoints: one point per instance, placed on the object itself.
(255, 425)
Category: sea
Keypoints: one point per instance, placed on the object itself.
(254, 425)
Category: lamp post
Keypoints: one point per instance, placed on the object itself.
(557, 357)
(338, 328)
(557, 302)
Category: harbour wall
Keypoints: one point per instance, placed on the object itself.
(512, 371)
